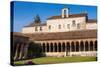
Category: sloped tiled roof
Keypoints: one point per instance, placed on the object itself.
(83, 34)
(35, 24)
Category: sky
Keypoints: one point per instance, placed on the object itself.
(23, 13)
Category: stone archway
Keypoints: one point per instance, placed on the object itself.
(77, 46)
(43, 47)
(47, 47)
(68, 46)
(73, 46)
(55, 46)
(82, 46)
(59, 47)
(63, 47)
(51, 45)
(96, 45)
(91, 45)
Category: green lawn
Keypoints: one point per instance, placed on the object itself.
(53, 60)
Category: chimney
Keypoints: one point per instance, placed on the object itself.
(65, 12)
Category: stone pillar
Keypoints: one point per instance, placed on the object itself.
(45, 47)
(84, 46)
(16, 52)
(53, 47)
(89, 46)
(75, 46)
(25, 51)
(79, 47)
(42, 47)
(49, 47)
(21, 51)
(65, 48)
(94, 46)
(61, 47)
(70, 48)
(57, 47)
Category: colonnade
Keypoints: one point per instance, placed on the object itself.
(20, 51)
(72, 46)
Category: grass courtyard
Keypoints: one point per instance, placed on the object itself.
(53, 60)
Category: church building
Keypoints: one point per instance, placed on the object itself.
(65, 35)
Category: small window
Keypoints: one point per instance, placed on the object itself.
(68, 26)
(40, 28)
(49, 27)
(36, 28)
(59, 26)
(73, 23)
(78, 26)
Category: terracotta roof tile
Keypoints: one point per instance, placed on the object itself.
(64, 35)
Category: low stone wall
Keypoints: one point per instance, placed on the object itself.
(87, 53)
(64, 54)
(55, 54)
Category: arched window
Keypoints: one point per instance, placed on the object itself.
(59, 26)
(68, 26)
(40, 28)
(36, 28)
(78, 26)
(49, 27)
(73, 23)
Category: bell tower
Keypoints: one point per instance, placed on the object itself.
(65, 12)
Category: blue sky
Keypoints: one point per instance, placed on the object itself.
(24, 12)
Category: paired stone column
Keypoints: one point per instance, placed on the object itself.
(84, 46)
(61, 47)
(70, 48)
(21, 51)
(49, 47)
(89, 46)
(57, 47)
(45, 47)
(25, 51)
(75, 46)
(16, 52)
(53, 47)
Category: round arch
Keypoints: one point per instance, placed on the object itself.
(82, 46)
(77, 46)
(68, 46)
(59, 46)
(63, 47)
(73, 46)
(91, 45)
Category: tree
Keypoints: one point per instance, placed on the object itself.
(37, 19)
(34, 50)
